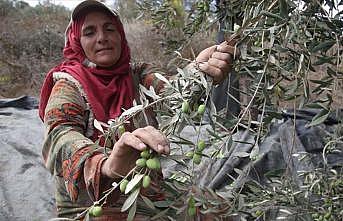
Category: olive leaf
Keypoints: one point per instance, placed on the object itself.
(132, 212)
(98, 126)
(136, 179)
(283, 8)
(130, 200)
(163, 203)
(132, 111)
(241, 154)
(148, 202)
(323, 46)
(151, 92)
(162, 78)
(319, 118)
(160, 214)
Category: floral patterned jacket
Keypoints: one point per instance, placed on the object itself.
(71, 155)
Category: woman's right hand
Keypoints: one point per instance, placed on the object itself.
(127, 149)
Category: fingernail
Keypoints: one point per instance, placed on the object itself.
(142, 145)
(167, 150)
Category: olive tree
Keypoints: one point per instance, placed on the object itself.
(290, 57)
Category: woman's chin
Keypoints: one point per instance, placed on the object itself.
(105, 63)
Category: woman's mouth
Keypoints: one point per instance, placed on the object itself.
(103, 50)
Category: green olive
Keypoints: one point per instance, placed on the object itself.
(201, 109)
(185, 107)
(201, 145)
(158, 163)
(123, 185)
(191, 211)
(146, 181)
(121, 130)
(145, 154)
(191, 202)
(327, 215)
(96, 211)
(197, 158)
(153, 164)
(141, 162)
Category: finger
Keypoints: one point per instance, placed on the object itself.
(224, 65)
(153, 138)
(213, 71)
(206, 54)
(232, 40)
(213, 48)
(223, 56)
(218, 63)
(129, 139)
(226, 48)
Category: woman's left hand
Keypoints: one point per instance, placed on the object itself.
(127, 149)
(217, 60)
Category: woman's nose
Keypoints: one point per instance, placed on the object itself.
(101, 37)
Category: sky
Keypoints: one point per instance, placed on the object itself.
(67, 3)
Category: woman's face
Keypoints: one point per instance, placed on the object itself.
(100, 39)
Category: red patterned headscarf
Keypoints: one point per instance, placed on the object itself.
(108, 90)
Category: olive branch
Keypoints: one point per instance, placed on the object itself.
(278, 61)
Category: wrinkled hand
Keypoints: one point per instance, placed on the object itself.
(127, 149)
(217, 60)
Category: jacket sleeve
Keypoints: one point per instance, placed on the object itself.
(146, 76)
(67, 152)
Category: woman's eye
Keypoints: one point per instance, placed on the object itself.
(110, 28)
(88, 33)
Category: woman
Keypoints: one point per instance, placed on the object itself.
(96, 81)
